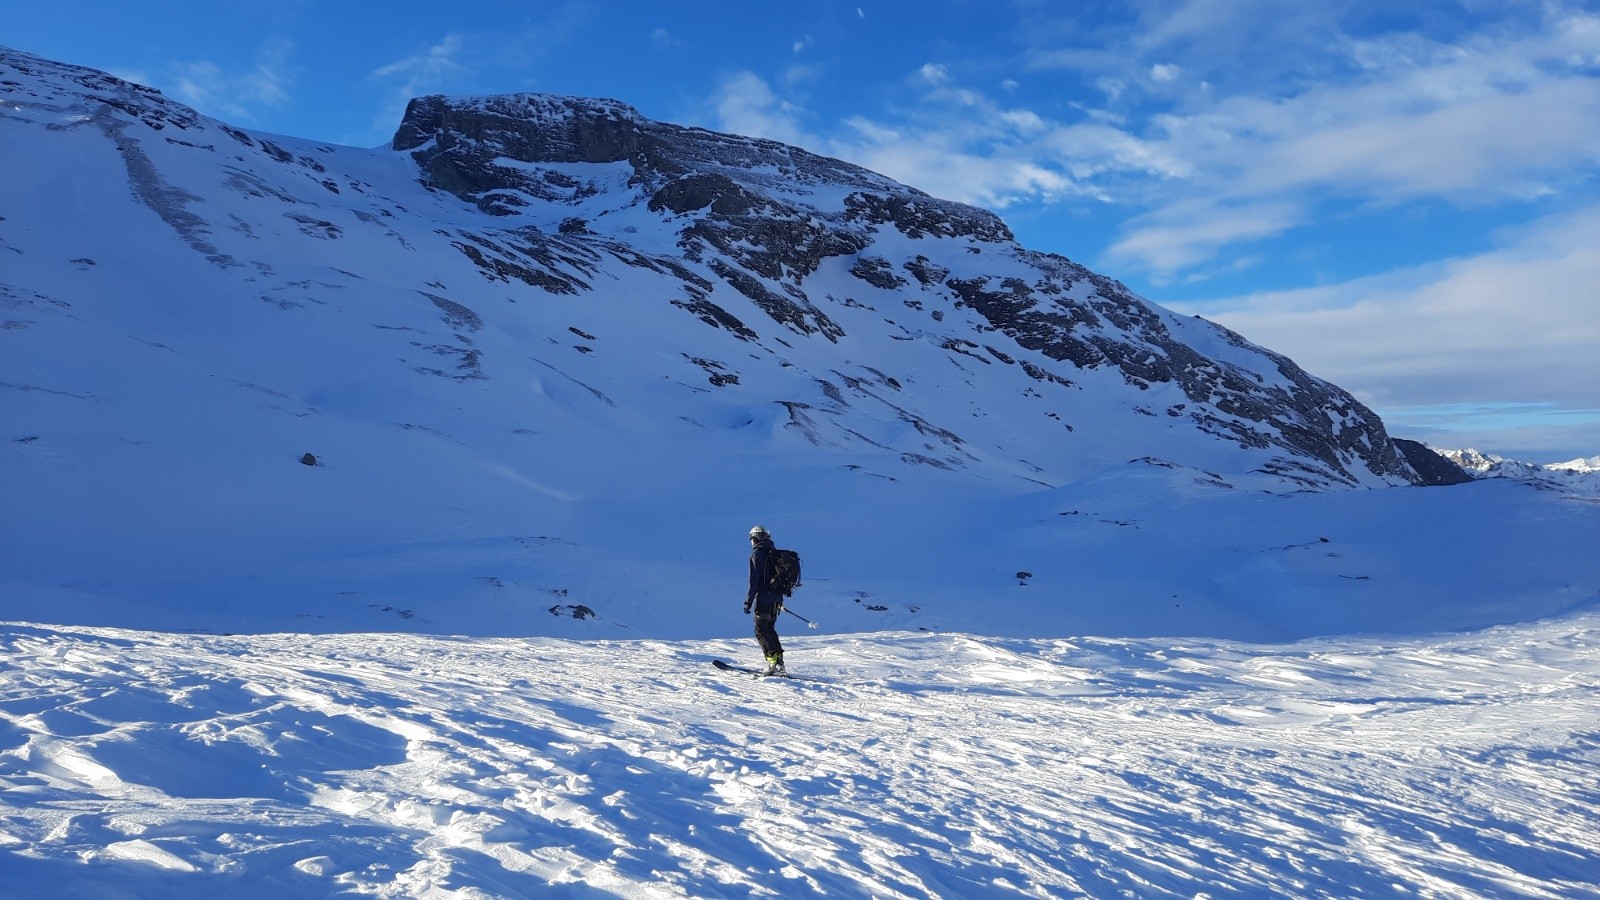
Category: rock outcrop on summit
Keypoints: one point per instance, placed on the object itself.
(762, 217)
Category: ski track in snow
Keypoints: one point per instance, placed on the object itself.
(148, 764)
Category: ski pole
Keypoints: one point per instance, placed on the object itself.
(809, 623)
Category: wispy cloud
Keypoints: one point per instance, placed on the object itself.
(744, 103)
(238, 94)
(480, 61)
(1504, 113)
(433, 69)
(1221, 124)
(1181, 236)
(959, 144)
(1463, 343)
(427, 69)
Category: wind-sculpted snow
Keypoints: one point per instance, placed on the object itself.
(906, 766)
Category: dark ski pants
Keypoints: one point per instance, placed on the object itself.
(767, 626)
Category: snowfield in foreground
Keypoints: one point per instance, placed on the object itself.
(906, 765)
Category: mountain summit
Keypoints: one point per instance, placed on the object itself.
(529, 367)
(808, 243)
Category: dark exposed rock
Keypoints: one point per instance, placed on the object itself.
(457, 315)
(313, 227)
(459, 145)
(777, 242)
(531, 257)
(1012, 308)
(926, 271)
(716, 372)
(918, 216)
(800, 316)
(878, 272)
(712, 314)
(1113, 328)
(468, 362)
(1436, 470)
(701, 190)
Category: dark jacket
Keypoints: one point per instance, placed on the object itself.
(761, 576)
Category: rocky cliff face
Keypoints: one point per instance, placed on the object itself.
(531, 366)
(763, 217)
(1432, 467)
(819, 268)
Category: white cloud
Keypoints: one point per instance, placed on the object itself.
(801, 74)
(1091, 150)
(427, 70)
(746, 104)
(934, 73)
(1024, 121)
(1478, 147)
(1284, 108)
(238, 95)
(430, 71)
(1113, 88)
(1441, 346)
(931, 153)
(1185, 235)
(950, 173)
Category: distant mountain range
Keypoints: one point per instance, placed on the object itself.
(1578, 476)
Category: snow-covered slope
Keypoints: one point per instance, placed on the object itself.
(535, 371)
(539, 368)
(135, 764)
(1579, 477)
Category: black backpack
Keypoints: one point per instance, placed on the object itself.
(785, 568)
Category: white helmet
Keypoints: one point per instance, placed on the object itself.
(758, 531)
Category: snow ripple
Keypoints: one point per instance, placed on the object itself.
(150, 764)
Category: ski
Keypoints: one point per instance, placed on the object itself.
(758, 673)
(730, 667)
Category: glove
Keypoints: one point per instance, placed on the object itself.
(747, 607)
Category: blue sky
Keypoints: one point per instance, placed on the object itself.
(1405, 198)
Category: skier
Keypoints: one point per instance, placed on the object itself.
(766, 602)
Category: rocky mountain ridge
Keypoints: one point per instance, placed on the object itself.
(1578, 476)
(762, 217)
(527, 370)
